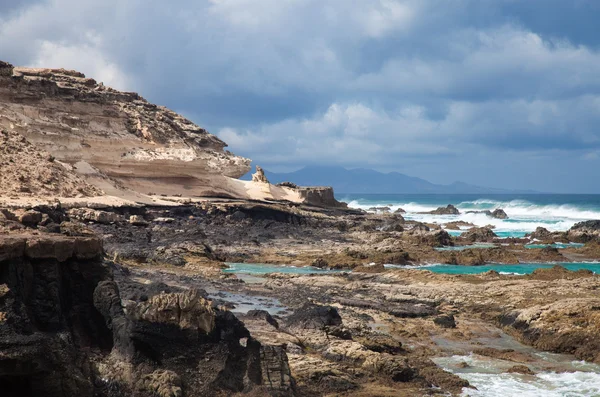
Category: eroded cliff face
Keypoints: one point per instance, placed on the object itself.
(115, 139)
(74, 324)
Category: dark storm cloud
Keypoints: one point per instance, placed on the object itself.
(387, 83)
(8, 6)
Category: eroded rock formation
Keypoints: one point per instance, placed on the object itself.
(113, 138)
(66, 330)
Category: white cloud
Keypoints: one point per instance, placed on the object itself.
(365, 82)
(84, 57)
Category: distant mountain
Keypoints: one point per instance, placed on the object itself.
(361, 180)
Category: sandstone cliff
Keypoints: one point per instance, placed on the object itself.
(113, 138)
(120, 143)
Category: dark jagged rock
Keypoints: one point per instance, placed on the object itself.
(584, 232)
(263, 315)
(520, 369)
(499, 214)
(48, 324)
(291, 185)
(479, 234)
(64, 331)
(312, 316)
(320, 263)
(422, 234)
(448, 210)
(445, 321)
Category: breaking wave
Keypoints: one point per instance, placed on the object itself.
(524, 216)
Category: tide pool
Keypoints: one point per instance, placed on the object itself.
(555, 245)
(464, 247)
(257, 268)
(523, 268)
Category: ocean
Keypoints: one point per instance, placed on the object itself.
(555, 212)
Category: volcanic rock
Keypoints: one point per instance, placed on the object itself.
(585, 231)
(479, 234)
(499, 214)
(445, 321)
(448, 210)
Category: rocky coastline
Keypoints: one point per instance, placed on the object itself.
(109, 290)
(131, 298)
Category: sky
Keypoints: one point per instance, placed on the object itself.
(501, 93)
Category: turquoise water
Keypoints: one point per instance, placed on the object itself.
(514, 233)
(490, 245)
(464, 247)
(524, 268)
(258, 268)
(555, 245)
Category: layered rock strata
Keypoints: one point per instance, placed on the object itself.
(66, 330)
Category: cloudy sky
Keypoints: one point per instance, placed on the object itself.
(503, 93)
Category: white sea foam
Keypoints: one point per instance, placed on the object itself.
(572, 384)
(490, 378)
(524, 216)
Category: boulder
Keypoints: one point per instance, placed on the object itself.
(137, 220)
(584, 232)
(479, 234)
(320, 263)
(29, 218)
(311, 316)
(541, 233)
(422, 234)
(520, 369)
(394, 225)
(445, 321)
(448, 210)
(90, 215)
(186, 310)
(262, 315)
(499, 214)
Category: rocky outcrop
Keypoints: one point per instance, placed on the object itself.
(320, 196)
(479, 234)
(259, 176)
(97, 216)
(499, 214)
(65, 330)
(422, 234)
(48, 325)
(584, 232)
(70, 136)
(113, 139)
(448, 210)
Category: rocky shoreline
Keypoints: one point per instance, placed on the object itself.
(132, 301)
(118, 217)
